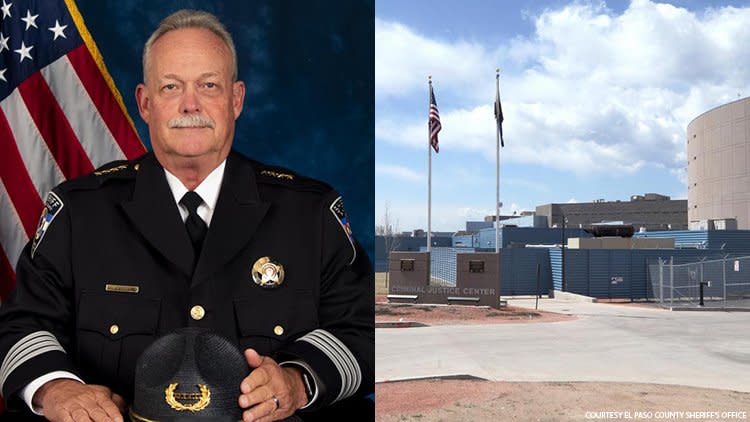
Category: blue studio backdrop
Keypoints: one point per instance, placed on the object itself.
(309, 71)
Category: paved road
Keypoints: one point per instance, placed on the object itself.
(606, 343)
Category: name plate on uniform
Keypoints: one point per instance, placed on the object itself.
(121, 288)
(476, 266)
(407, 265)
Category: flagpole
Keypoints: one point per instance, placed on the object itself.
(429, 172)
(497, 173)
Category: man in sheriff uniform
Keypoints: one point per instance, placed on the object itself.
(190, 235)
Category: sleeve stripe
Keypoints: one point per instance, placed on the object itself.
(32, 354)
(350, 372)
(25, 349)
(331, 355)
(349, 357)
(30, 348)
(21, 343)
(14, 354)
(341, 356)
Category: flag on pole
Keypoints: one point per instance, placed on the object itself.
(434, 122)
(61, 115)
(499, 115)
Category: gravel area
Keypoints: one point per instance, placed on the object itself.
(461, 314)
(479, 400)
(466, 400)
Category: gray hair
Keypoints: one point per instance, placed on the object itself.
(187, 18)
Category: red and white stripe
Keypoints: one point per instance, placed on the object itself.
(60, 123)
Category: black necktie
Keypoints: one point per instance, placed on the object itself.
(195, 225)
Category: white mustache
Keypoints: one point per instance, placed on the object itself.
(192, 120)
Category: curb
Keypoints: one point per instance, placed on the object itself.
(460, 377)
(399, 324)
(709, 309)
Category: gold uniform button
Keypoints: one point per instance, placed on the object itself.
(197, 312)
(278, 330)
(114, 329)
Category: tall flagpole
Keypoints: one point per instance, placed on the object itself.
(429, 172)
(497, 172)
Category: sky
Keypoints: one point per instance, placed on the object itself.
(596, 95)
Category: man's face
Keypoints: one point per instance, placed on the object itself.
(189, 100)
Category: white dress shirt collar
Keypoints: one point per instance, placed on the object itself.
(208, 191)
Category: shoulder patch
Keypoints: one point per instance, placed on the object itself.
(337, 208)
(52, 207)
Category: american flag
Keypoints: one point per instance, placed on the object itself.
(61, 115)
(499, 115)
(434, 122)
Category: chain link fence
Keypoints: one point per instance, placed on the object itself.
(710, 283)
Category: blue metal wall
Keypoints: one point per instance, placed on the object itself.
(516, 236)
(475, 226)
(404, 244)
(519, 271)
(597, 272)
(466, 241)
(730, 241)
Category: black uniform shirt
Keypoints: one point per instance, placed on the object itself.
(112, 267)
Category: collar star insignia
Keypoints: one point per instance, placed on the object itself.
(6, 9)
(3, 43)
(30, 20)
(24, 51)
(2, 74)
(58, 30)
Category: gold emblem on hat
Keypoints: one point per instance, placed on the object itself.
(267, 273)
(203, 398)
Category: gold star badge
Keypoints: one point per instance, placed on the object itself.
(267, 273)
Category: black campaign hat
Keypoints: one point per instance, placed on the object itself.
(189, 375)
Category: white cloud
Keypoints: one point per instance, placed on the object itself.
(404, 59)
(589, 91)
(398, 172)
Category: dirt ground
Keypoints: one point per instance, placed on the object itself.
(478, 400)
(460, 314)
(467, 400)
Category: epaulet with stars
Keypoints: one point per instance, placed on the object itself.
(116, 170)
(285, 177)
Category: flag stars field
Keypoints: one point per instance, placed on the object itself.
(24, 51)
(6, 9)
(30, 20)
(60, 116)
(58, 30)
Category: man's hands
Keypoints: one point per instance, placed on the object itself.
(269, 380)
(67, 400)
